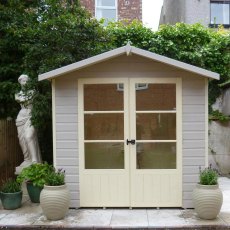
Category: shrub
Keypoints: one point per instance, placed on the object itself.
(56, 178)
(10, 186)
(36, 174)
(208, 176)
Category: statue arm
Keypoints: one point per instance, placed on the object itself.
(21, 97)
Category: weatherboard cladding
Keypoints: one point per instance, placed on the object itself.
(193, 117)
(66, 134)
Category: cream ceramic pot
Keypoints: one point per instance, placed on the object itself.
(207, 200)
(55, 201)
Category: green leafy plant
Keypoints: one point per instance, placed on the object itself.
(209, 176)
(56, 178)
(217, 115)
(10, 186)
(36, 174)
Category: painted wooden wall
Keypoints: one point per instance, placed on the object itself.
(194, 117)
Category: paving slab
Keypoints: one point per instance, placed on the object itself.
(26, 215)
(165, 218)
(81, 218)
(129, 218)
(192, 219)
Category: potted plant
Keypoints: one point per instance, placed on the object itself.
(34, 176)
(11, 194)
(207, 196)
(55, 197)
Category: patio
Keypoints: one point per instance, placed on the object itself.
(30, 216)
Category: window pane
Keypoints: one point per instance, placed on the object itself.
(104, 126)
(219, 13)
(156, 126)
(105, 2)
(156, 156)
(156, 97)
(104, 155)
(102, 97)
(109, 14)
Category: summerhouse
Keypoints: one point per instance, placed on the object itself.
(130, 128)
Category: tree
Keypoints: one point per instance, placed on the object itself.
(40, 36)
(11, 55)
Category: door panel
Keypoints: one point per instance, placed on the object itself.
(155, 168)
(159, 189)
(104, 156)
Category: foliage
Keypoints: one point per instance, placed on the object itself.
(35, 173)
(39, 36)
(217, 115)
(193, 44)
(208, 176)
(11, 55)
(10, 186)
(56, 178)
(66, 31)
(196, 45)
(134, 32)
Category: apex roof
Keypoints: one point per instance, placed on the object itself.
(128, 50)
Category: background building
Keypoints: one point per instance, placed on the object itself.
(114, 10)
(207, 12)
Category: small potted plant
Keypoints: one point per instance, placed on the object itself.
(11, 194)
(55, 197)
(207, 196)
(35, 176)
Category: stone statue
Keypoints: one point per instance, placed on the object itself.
(26, 132)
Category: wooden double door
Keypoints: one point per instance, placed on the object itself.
(130, 142)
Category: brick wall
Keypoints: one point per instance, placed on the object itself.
(89, 5)
(127, 9)
(130, 9)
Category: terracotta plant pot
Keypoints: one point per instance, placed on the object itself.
(55, 201)
(207, 200)
(11, 201)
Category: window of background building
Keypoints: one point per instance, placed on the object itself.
(106, 9)
(220, 12)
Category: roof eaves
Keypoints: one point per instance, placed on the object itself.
(175, 63)
(82, 64)
(128, 49)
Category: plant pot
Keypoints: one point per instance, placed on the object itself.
(11, 201)
(34, 192)
(55, 201)
(207, 200)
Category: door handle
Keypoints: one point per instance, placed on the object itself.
(132, 142)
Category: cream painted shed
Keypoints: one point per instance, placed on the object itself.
(130, 128)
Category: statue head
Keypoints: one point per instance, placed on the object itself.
(23, 79)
